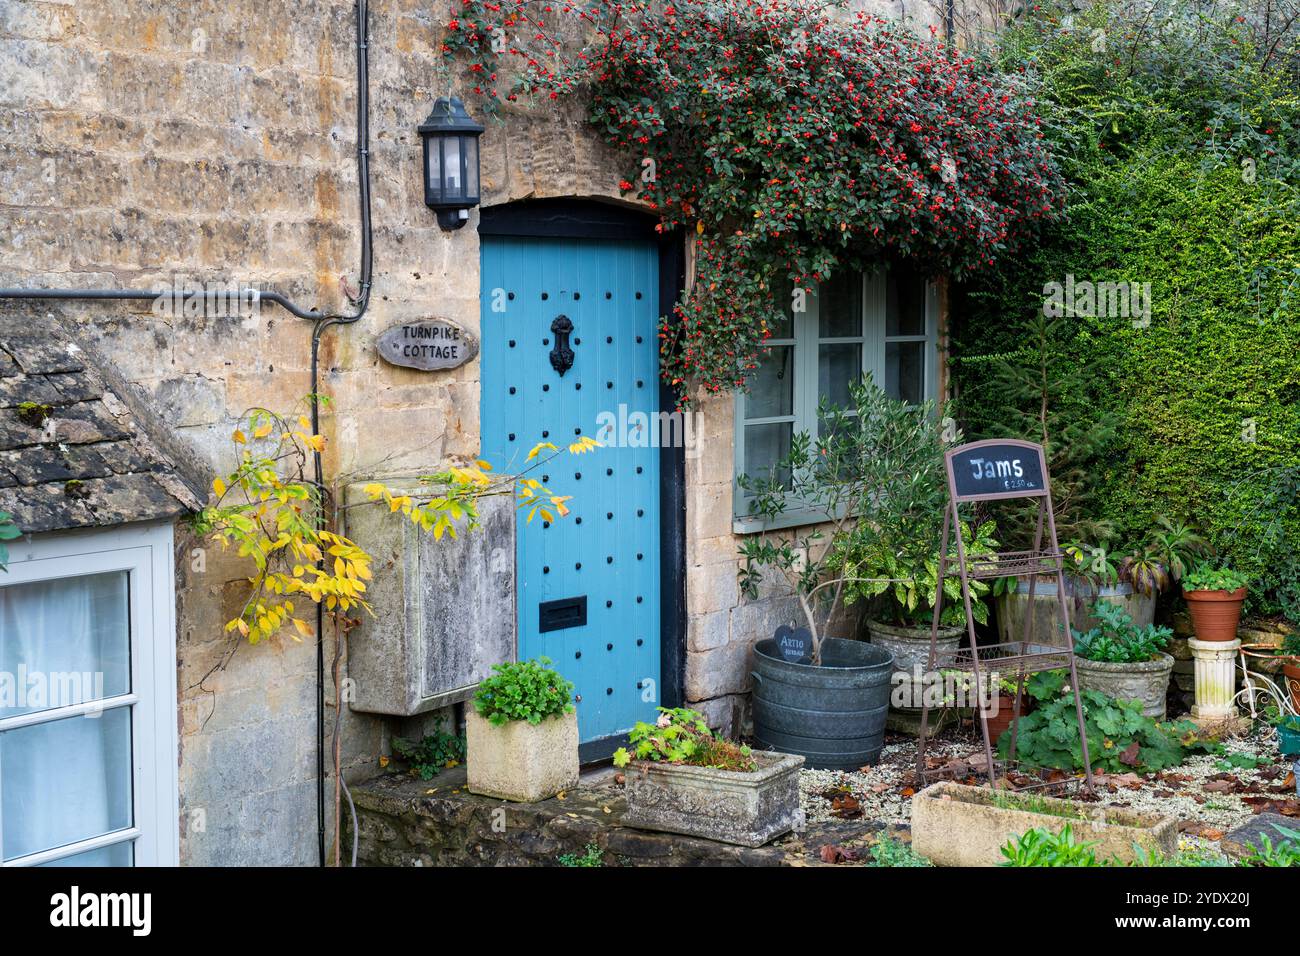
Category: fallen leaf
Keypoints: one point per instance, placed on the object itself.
(1219, 786)
(830, 853)
(606, 809)
(1129, 757)
(383, 761)
(561, 795)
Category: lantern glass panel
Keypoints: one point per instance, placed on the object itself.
(433, 176)
(471, 167)
(453, 184)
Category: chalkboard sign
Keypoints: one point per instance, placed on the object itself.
(794, 645)
(997, 469)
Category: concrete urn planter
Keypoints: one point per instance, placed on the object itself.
(748, 809)
(911, 649)
(957, 825)
(1145, 681)
(518, 760)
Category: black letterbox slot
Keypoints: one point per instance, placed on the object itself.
(557, 615)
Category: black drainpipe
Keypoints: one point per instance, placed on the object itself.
(322, 322)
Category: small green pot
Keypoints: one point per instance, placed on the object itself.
(1288, 741)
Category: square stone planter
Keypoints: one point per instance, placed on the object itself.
(747, 809)
(956, 825)
(518, 760)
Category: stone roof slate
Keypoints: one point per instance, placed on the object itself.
(79, 447)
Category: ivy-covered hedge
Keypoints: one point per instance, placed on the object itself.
(1179, 143)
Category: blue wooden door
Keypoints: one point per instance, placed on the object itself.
(603, 557)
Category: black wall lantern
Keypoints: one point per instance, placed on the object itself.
(451, 186)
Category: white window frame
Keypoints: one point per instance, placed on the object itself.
(806, 329)
(144, 551)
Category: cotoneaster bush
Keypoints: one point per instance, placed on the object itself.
(788, 138)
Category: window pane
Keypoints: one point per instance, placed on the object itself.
(905, 371)
(63, 642)
(434, 154)
(765, 445)
(471, 166)
(451, 172)
(65, 781)
(837, 366)
(904, 302)
(839, 306)
(119, 854)
(771, 388)
(783, 297)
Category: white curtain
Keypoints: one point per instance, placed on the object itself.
(69, 779)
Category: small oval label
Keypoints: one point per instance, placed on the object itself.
(427, 345)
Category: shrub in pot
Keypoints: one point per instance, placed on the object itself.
(1290, 651)
(1214, 596)
(1123, 661)
(877, 463)
(522, 733)
(682, 778)
(895, 565)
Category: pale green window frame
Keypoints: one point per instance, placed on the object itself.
(881, 351)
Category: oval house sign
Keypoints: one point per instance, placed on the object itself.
(429, 345)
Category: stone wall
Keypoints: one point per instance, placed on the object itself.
(145, 142)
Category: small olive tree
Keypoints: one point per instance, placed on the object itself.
(874, 472)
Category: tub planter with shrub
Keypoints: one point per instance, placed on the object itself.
(957, 825)
(521, 734)
(1214, 597)
(1123, 661)
(874, 475)
(682, 778)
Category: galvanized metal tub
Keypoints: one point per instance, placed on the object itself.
(833, 714)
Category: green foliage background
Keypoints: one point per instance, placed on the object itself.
(1152, 132)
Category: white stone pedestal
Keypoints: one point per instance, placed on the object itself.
(1216, 679)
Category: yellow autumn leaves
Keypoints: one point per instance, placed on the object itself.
(273, 520)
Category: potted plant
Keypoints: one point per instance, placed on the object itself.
(1290, 652)
(1214, 596)
(1003, 711)
(1124, 661)
(1288, 736)
(682, 778)
(1134, 577)
(895, 564)
(876, 463)
(521, 734)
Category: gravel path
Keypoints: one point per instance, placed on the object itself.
(1206, 793)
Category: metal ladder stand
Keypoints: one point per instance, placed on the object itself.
(986, 471)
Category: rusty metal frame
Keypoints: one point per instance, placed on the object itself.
(1024, 655)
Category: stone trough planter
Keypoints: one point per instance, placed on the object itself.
(1145, 681)
(957, 825)
(521, 761)
(747, 809)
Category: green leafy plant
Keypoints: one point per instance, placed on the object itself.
(431, 754)
(890, 851)
(1116, 640)
(523, 690)
(873, 482)
(1035, 803)
(1286, 852)
(1206, 577)
(1290, 645)
(681, 736)
(903, 575)
(8, 532)
(1191, 856)
(591, 855)
(1039, 847)
(1120, 737)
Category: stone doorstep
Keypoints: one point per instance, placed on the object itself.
(1237, 843)
(404, 821)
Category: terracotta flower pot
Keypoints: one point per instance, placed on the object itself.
(1000, 722)
(1291, 672)
(1215, 614)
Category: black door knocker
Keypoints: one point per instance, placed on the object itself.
(561, 354)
